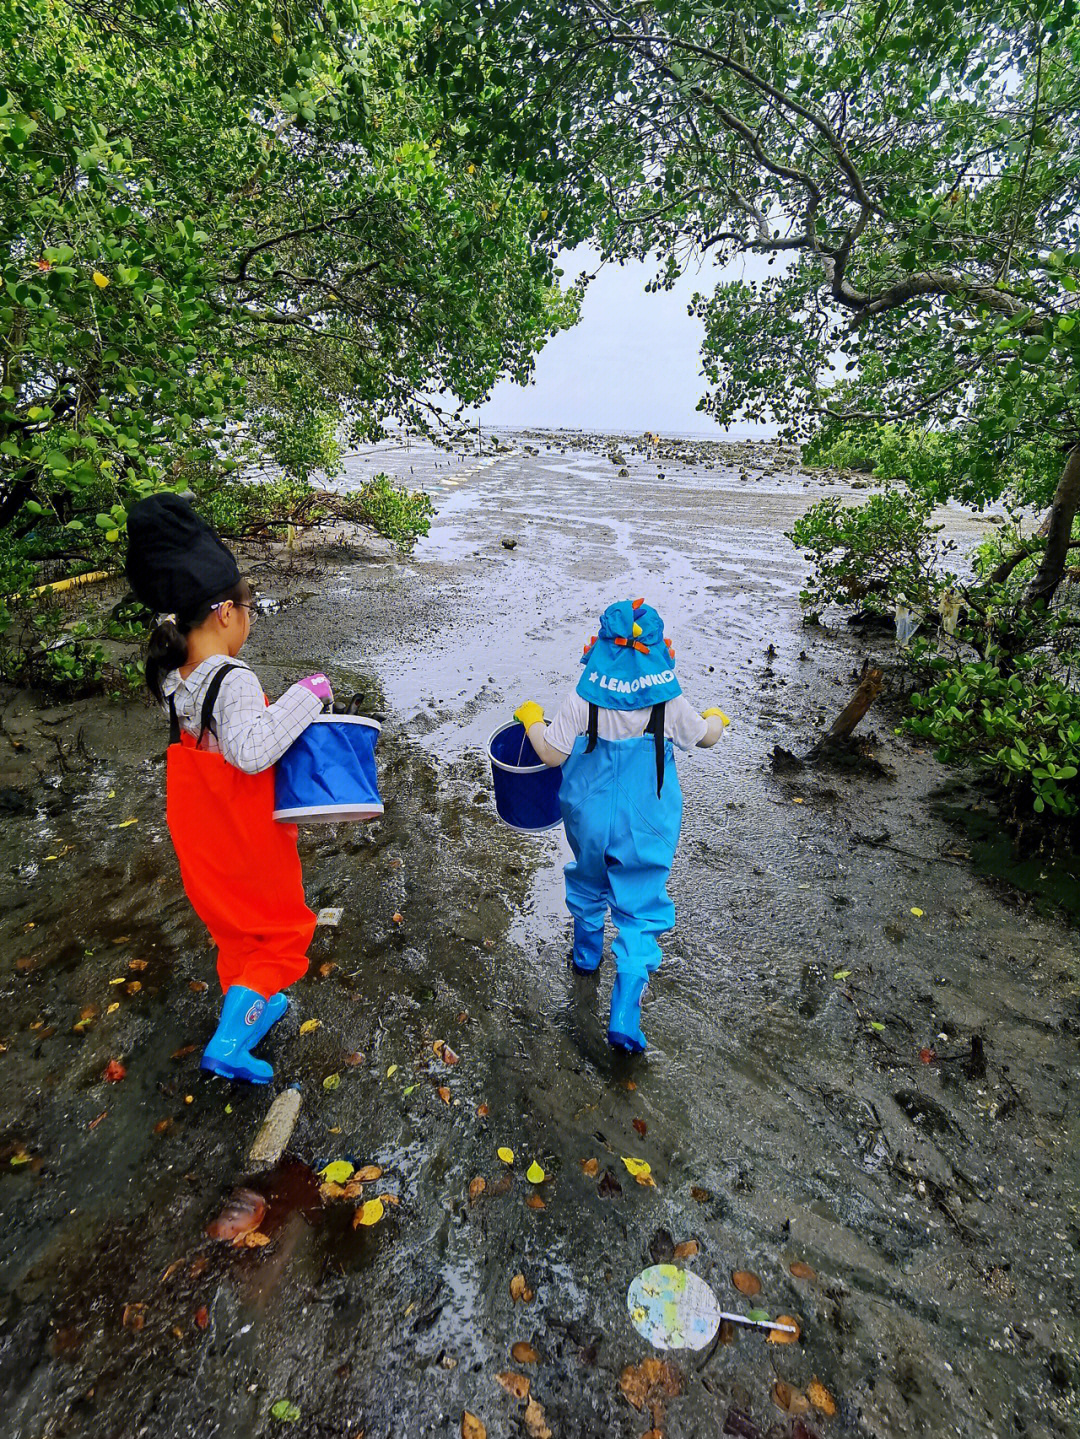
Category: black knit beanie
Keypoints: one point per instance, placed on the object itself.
(175, 561)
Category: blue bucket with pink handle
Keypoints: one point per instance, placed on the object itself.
(526, 789)
(327, 774)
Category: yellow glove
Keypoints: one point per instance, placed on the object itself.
(529, 713)
(714, 711)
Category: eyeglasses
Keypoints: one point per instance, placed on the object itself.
(252, 607)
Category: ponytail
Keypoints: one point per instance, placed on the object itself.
(166, 651)
(168, 646)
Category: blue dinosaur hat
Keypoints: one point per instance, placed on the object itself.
(629, 665)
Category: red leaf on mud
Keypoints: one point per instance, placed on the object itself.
(928, 1056)
(746, 1282)
(138, 965)
(641, 1127)
(741, 1425)
(244, 1211)
(699, 1195)
(609, 1186)
(444, 1094)
(686, 1250)
(535, 1202)
(471, 1427)
(198, 986)
(202, 1316)
(134, 1316)
(355, 1058)
(590, 1166)
(114, 1071)
(523, 1353)
(183, 1051)
(477, 1187)
(95, 1122)
(163, 1126)
(483, 1111)
(801, 1270)
(448, 1055)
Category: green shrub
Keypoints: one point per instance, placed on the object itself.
(866, 555)
(1018, 722)
(399, 514)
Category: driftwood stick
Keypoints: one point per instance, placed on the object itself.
(869, 688)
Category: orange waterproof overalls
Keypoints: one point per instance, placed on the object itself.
(240, 866)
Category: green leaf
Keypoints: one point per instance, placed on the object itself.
(876, 1024)
(842, 974)
(285, 1411)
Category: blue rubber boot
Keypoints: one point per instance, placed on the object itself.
(588, 948)
(276, 1006)
(624, 1028)
(242, 1014)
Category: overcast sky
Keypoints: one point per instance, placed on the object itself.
(631, 364)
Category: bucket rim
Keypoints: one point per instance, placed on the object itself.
(308, 811)
(348, 719)
(531, 829)
(513, 768)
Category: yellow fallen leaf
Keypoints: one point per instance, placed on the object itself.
(309, 1024)
(125, 823)
(781, 1336)
(100, 280)
(916, 911)
(534, 1174)
(391, 1071)
(637, 1166)
(113, 1007)
(121, 980)
(337, 1171)
(370, 1212)
(820, 1398)
(515, 1384)
(506, 1155)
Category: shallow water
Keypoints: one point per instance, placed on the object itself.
(936, 1202)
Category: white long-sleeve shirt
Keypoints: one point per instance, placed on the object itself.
(250, 734)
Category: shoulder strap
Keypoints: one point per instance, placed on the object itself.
(594, 727)
(206, 721)
(655, 727)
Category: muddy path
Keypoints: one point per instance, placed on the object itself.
(787, 1114)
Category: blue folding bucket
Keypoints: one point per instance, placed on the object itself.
(526, 789)
(328, 774)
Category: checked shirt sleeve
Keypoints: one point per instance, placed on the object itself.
(252, 735)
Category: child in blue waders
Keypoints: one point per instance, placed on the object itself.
(620, 797)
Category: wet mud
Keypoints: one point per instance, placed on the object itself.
(862, 1051)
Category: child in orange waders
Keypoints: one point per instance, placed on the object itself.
(620, 797)
(240, 867)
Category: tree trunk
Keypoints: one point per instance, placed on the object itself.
(1059, 531)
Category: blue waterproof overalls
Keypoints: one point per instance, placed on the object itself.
(622, 807)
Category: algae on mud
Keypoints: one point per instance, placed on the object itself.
(936, 1208)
